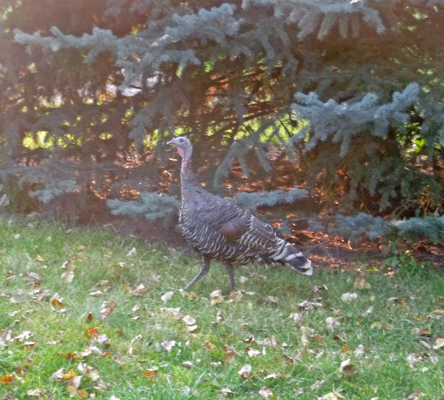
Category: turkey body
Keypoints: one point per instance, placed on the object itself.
(218, 229)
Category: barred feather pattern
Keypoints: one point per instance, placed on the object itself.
(218, 229)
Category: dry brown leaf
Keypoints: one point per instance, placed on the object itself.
(7, 379)
(216, 297)
(107, 308)
(69, 356)
(210, 346)
(32, 277)
(423, 332)
(250, 339)
(246, 371)
(347, 368)
(139, 291)
(252, 352)
(361, 283)
(150, 373)
(229, 350)
(287, 359)
(265, 392)
(226, 391)
(236, 296)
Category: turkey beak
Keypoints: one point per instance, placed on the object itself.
(171, 142)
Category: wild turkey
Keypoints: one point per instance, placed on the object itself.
(218, 229)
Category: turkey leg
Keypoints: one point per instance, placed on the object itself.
(205, 268)
(229, 269)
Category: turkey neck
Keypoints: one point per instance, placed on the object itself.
(188, 181)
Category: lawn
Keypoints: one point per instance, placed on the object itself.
(89, 314)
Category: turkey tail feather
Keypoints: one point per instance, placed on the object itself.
(288, 254)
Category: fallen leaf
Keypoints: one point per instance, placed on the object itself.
(272, 300)
(189, 320)
(347, 368)
(236, 296)
(69, 356)
(216, 297)
(299, 391)
(92, 332)
(150, 373)
(252, 352)
(32, 277)
(103, 340)
(246, 371)
(226, 391)
(35, 392)
(347, 297)
(266, 392)
(57, 302)
(229, 350)
(361, 283)
(331, 396)
(7, 379)
(139, 291)
(439, 343)
(318, 288)
(368, 311)
(297, 319)
(269, 342)
(413, 359)
(107, 308)
(360, 350)
(331, 323)
(168, 345)
(174, 312)
(309, 305)
(210, 346)
(132, 252)
(22, 337)
(250, 339)
(102, 285)
(415, 395)
(167, 297)
(287, 359)
(191, 328)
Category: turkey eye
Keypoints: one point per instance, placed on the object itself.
(180, 140)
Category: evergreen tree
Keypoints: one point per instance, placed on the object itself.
(351, 89)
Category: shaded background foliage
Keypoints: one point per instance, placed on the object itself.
(349, 91)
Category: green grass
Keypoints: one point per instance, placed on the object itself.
(388, 333)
